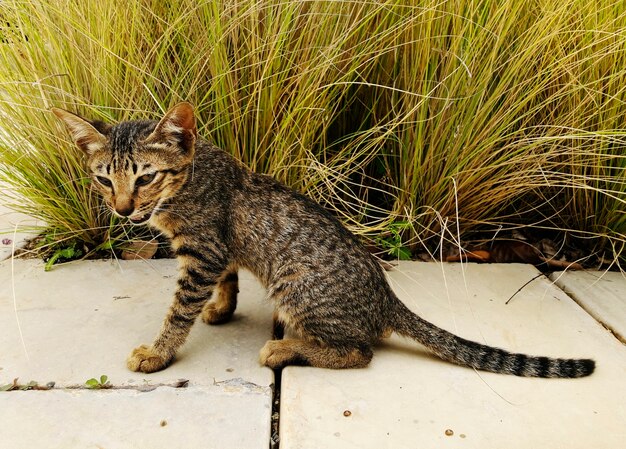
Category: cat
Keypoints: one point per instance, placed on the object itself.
(219, 216)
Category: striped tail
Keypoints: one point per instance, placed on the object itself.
(458, 350)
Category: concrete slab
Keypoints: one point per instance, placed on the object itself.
(407, 398)
(191, 417)
(14, 229)
(81, 320)
(602, 294)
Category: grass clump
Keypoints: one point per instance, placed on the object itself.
(454, 119)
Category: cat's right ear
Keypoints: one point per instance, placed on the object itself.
(84, 133)
(177, 127)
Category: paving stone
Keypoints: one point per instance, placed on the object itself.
(602, 294)
(407, 398)
(81, 320)
(194, 417)
(13, 234)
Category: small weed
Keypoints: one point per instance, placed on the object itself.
(66, 253)
(32, 385)
(392, 241)
(98, 384)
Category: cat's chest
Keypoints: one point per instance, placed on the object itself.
(166, 223)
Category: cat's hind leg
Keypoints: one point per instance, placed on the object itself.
(280, 353)
(220, 308)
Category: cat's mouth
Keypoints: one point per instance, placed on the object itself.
(141, 219)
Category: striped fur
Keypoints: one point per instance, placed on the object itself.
(221, 217)
(458, 350)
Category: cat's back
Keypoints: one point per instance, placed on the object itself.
(278, 228)
(279, 212)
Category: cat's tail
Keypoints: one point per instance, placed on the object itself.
(458, 350)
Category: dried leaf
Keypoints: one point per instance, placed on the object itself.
(140, 249)
(471, 256)
(512, 251)
(562, 264)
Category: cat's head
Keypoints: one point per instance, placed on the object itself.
(137, 165)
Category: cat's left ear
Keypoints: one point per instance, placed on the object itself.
(87, 137)
(177, 127)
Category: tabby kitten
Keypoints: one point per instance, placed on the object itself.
(220, 216)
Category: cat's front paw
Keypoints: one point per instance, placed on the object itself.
(144, 359)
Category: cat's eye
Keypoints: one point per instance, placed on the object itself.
(104, 181)
(145, 179)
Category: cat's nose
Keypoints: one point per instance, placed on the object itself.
(125, 207)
